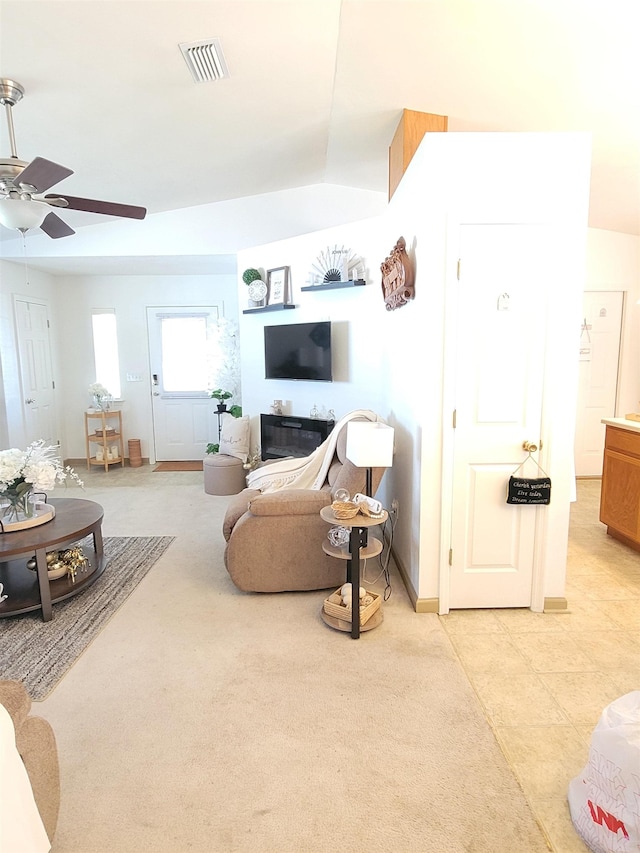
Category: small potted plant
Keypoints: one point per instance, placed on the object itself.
(221, 396)
(257, 288)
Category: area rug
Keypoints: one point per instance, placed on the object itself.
(39, 653)
(189, 465)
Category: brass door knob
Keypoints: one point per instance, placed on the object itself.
(530, 447)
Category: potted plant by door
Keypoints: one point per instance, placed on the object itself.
(221, 396)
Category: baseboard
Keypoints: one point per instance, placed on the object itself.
(553, 605)
(82, 463)
(420, 605)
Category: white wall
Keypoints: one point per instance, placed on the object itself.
(359, 326)
(613, 263)
(129, 296)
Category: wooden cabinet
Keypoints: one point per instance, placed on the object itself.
(620, 495)
(103, 433)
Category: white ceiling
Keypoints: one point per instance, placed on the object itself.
(315, 93)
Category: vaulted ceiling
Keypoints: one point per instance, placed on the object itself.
(314, 93)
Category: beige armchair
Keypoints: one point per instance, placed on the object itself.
(274, 540)
(36, 744)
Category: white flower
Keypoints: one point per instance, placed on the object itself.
(38, 465)
(98, 390)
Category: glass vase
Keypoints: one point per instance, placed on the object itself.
(16, 504)
(100, 404)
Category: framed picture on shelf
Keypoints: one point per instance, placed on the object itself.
(278, 284)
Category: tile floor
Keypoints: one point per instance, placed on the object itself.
(543, 679)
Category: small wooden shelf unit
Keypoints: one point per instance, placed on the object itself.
(104, 421)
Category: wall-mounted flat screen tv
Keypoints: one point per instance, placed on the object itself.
(298, 351)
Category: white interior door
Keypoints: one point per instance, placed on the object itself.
(36, 375)
(599, 355)
(499, 373)
(181, 356)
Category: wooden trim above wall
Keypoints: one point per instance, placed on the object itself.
(413, 126)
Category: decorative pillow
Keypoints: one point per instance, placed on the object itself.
(235, 436)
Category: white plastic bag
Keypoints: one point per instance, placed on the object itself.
(604, 800)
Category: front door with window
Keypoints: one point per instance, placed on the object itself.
(182, 353)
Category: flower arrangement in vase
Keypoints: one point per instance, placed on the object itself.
(101, 397)
(22, 472)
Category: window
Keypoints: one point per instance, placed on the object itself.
(105, 351)
(184, 353)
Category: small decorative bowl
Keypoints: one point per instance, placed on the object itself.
(344, 509)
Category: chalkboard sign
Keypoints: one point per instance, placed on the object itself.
(529, 490)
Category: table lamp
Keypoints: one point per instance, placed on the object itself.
(369, 445)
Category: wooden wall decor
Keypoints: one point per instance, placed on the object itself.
(397, 277)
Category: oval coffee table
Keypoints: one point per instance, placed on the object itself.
(27, 590)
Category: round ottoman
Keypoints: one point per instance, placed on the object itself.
(223, 475)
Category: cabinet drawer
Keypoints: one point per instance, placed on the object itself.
(623, 441)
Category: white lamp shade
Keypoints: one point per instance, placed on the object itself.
(22, 214)
(369, 445)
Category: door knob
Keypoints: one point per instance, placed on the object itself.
(530, 447)
(29, 400)
(156, 393)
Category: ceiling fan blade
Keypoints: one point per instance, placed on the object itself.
(42, 174)
(56, 201)
(92, 205)
(55, 227)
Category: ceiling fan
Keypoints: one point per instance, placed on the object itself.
(22, 184)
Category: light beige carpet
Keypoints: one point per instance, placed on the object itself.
(203, 719)
(39, 653)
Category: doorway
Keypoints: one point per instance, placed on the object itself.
(182, 358)
(497, 372)
(599, 354)
(36, 373)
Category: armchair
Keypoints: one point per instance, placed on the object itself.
(36, 744)
(274, 540)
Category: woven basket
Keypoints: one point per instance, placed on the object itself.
(344, 509)
(333, 606)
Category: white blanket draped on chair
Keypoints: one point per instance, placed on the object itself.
(309, 472)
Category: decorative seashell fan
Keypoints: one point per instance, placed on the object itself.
(336, 264)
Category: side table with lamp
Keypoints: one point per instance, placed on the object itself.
(369, 445)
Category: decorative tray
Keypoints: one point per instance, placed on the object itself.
(42, 514)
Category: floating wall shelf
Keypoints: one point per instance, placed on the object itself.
(334, 285)
(278, 307)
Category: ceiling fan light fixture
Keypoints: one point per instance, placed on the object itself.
(205, 60)
(22, 214)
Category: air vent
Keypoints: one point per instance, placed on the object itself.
(205, 60)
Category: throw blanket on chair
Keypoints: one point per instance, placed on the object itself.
(310, 472)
